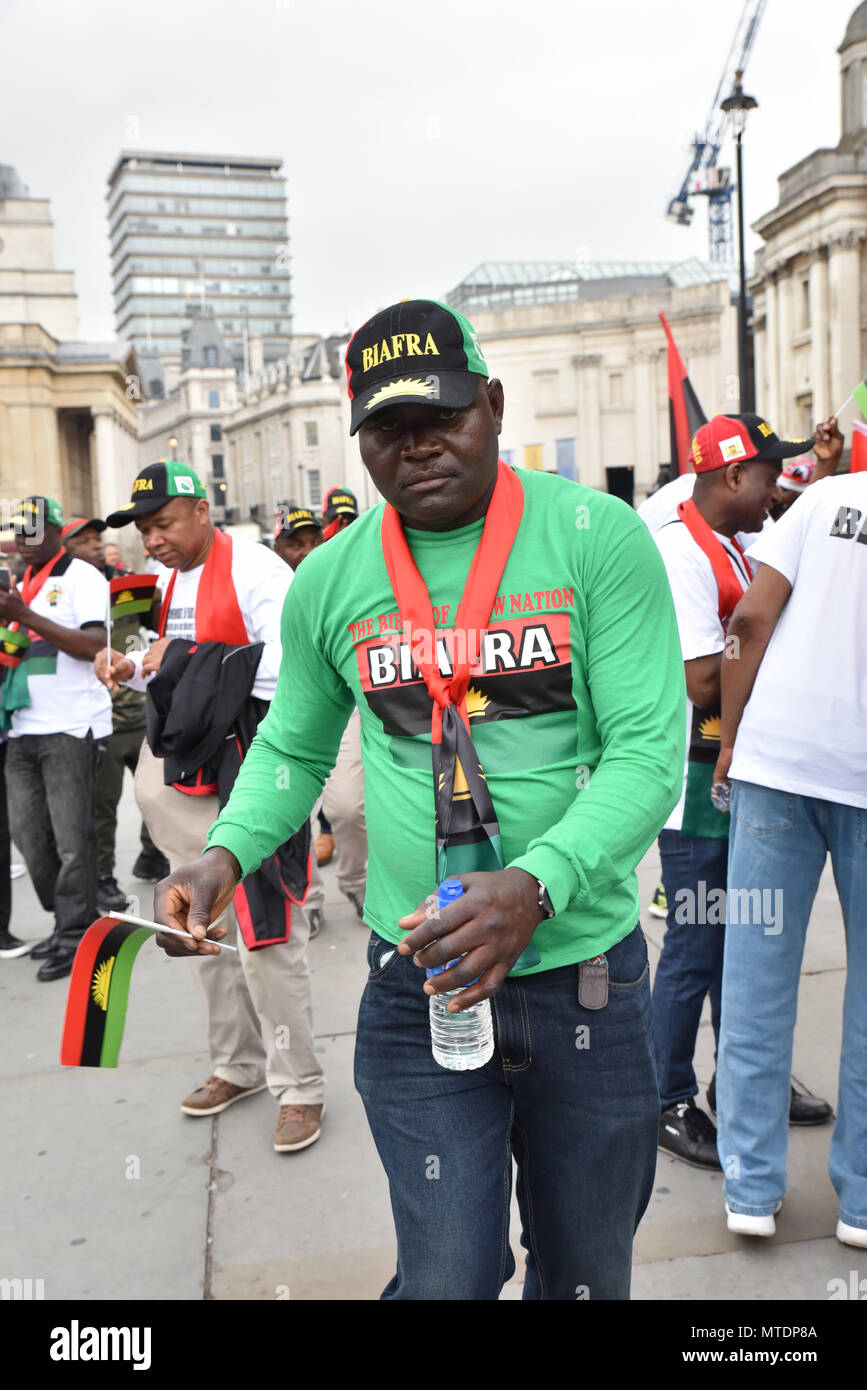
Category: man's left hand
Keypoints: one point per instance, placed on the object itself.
(13, 609)
(153, 657)
(488, 927)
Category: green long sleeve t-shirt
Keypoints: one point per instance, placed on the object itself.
(576, 710)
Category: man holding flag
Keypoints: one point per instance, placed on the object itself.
(510, 642)
(131, 597)
(55, 711)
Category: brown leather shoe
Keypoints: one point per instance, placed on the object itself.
(298, 1126)
(216, 1095)
(324, 849)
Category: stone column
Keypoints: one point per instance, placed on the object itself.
(785, 416)
(105, 489)
(772, 351)
(591, 467)
(644, 418)
(820, 382)
(844, 315)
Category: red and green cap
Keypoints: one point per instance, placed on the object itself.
(156, 485)
(79, 524)
(32, 513)
(417, 352)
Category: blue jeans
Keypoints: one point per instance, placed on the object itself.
(690, 967)
(571, 1093)
(779, 842)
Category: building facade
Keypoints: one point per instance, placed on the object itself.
(582, 356)
(210, 229)
(810, 286)
(67, 408)
(287, 439)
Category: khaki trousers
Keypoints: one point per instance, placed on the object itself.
(260, 1013)
(343, 804)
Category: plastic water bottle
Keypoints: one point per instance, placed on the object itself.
(464, 1041)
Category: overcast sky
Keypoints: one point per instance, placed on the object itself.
(419, 139)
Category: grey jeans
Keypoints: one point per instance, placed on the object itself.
(49, 787)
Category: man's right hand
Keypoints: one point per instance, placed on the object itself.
(192, 897)
(111, 668)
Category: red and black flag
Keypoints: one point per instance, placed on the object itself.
(685, 414)
(98, 991)
(13, 642)
(131, 593)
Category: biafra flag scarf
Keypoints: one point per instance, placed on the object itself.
(18, 655)
(729, 588)
(467, 833)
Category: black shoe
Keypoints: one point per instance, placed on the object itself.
(57, 966)
(151, 867)
(358, 903)
(109, 895)
(10, 946)
(688, 1134)
(44, 948)
(803, 1110)
(316, 918)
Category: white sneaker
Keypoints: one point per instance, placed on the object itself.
(851, 1235)
(17, 870)
(744, 1225)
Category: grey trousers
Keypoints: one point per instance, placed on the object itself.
(260, 1012)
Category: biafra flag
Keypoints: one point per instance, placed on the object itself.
(685, 414)
(12, 645)
(131, 593)
(98, 991)
(467, 831)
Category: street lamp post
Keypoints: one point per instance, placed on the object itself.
(173, 445)
(736, 108)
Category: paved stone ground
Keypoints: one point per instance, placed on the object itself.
(113, 1193)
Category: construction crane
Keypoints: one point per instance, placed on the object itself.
(704, 176)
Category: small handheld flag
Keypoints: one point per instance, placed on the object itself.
(858, 457)
(12, 644)
(99, 988)
(131, 593)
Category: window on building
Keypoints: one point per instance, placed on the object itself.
(211, 361)
(314, 488)
(217, 466)
(566, 459)
(213, 400)
(805, 304)
(219, 491)
(533, 456)
(228, 325)
(615, 388)
(216, 433)
(311, 434)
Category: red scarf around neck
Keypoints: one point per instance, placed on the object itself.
(218, 613)
(502, 520)
(728, 585)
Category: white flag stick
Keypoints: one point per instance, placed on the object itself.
(848, 400)
(108, 627)
(158, 926)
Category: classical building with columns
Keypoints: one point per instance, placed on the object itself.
(810, 286)
(581, 353)
(67, 408)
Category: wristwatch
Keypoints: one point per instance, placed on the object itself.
(546, 907)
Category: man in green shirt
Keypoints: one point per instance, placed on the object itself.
(570, 685)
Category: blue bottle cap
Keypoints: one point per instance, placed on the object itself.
(447, 892)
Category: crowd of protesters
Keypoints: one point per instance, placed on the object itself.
(697, 683)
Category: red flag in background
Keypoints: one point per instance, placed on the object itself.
(684, 409)
(858, 458)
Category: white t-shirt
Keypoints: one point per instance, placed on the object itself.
(261, 581)
(804, 729)
(696, 604)
(69, 700)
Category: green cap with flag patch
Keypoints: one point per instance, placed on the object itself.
(156, 485)
(417, 352)
(32, 513)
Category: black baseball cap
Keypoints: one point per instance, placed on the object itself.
(156, 485)
(416, 352)
(339, 501)
(734, 438)
(295, 519)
